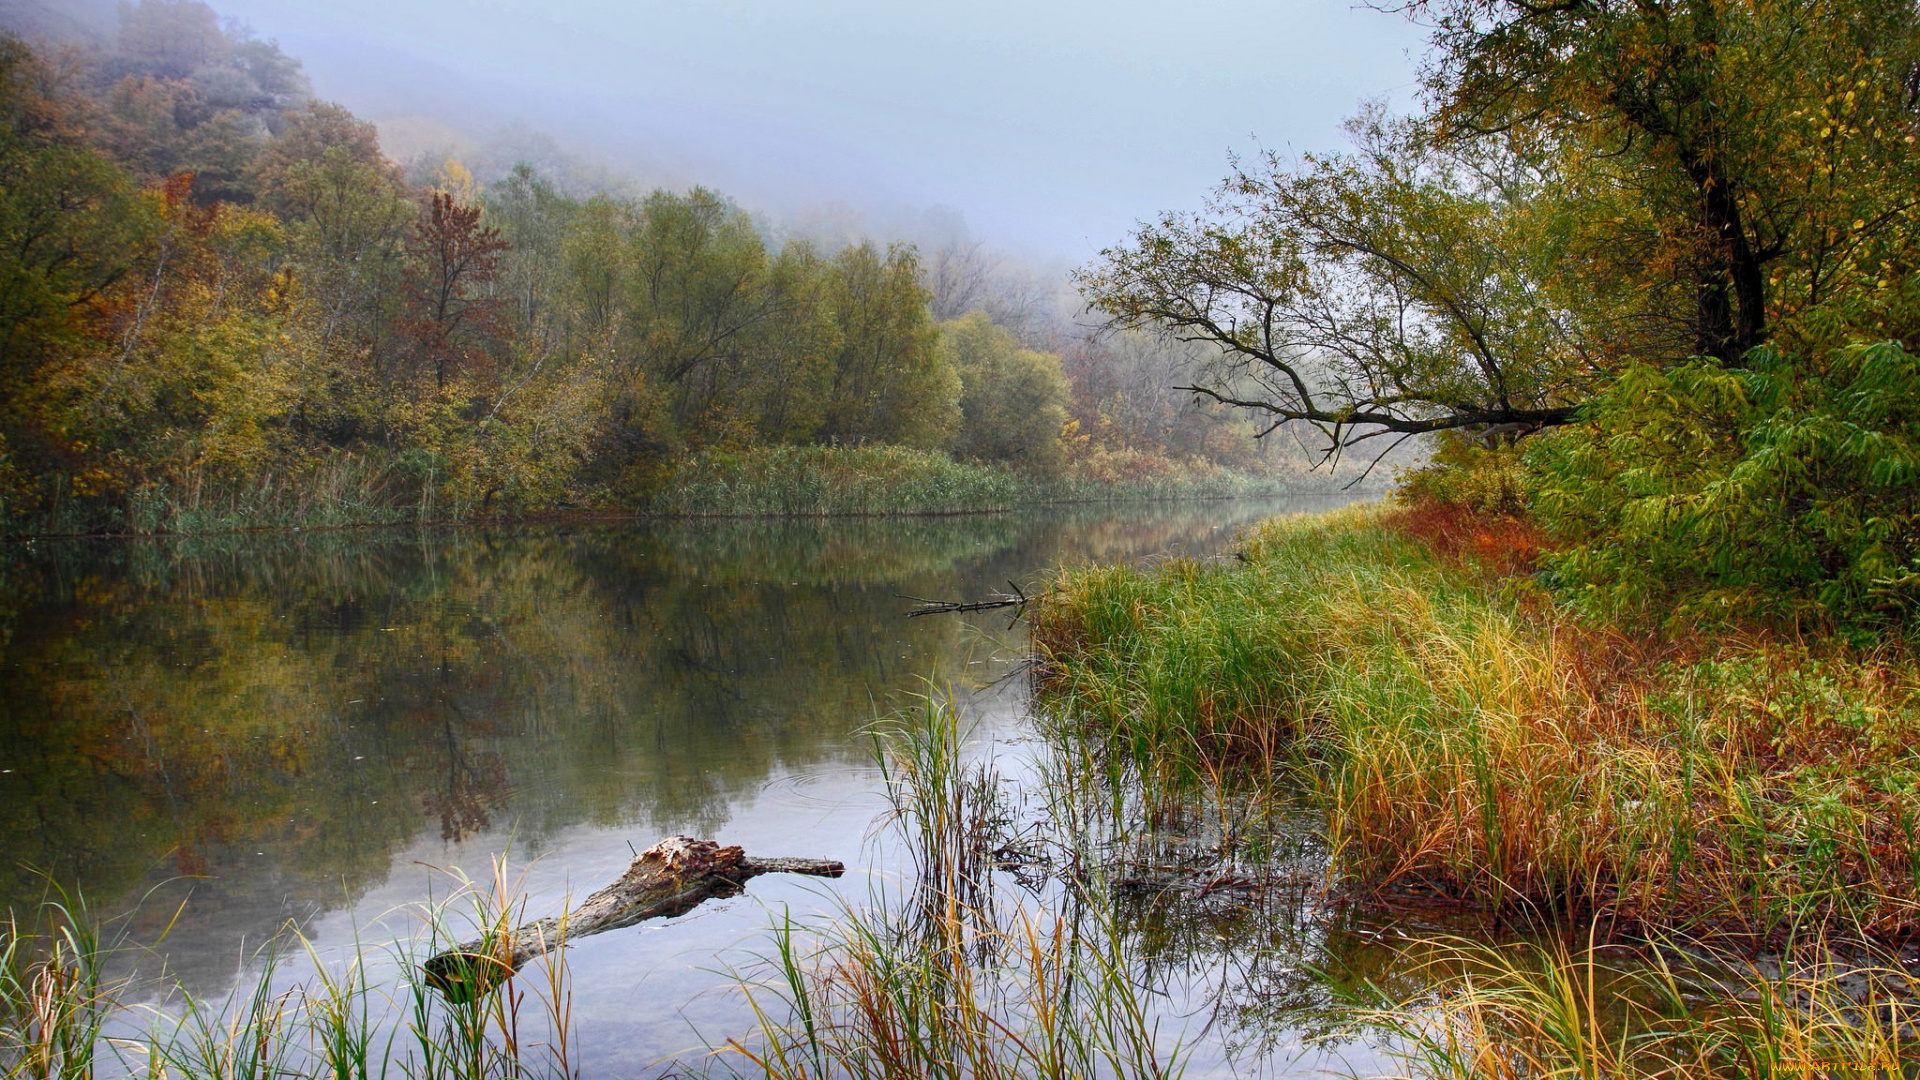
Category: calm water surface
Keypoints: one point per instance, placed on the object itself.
(310, 728)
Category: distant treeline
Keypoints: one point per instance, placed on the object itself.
(220, 302)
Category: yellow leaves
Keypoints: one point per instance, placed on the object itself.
(455, 179)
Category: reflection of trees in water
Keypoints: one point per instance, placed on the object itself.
(281, 715)
(1218, 904)
(476, 781)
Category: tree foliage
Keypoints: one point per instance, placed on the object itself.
(222, 304)
(1013, 401)
(1391, 290)
(1783, 488)
(1766, 145)
(1594, 183)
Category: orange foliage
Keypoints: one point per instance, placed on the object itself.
(1499, 544)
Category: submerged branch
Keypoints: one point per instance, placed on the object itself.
(1018, 598)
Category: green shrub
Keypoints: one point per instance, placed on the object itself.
(1466, 474)
(1785, 490)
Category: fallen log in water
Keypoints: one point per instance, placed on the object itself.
(671, 877)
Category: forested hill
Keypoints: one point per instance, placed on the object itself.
(216, 290)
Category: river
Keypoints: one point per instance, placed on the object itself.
(214, 738)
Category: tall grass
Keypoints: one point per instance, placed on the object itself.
(335, 490)
(55, 996)
(64, 1017)
(1549, 1010)
(946, 979)
(1467, 740)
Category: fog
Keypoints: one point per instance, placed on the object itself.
(1049, 127)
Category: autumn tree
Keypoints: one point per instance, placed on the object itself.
(1595, 182)
(1751, 158)
(450, 320)
(70, 221)
(347, 215)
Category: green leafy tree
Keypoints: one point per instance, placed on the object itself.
(1762, 150)
(1395, 290)
(790, 379)
(1013, 401)
(1783, 489)
(890, 382)
(1595, 182)
(699, 291)
(597, 263)
(533, 218)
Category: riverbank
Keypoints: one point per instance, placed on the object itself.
(372, 490)
(1471, 741)
(1474, 748)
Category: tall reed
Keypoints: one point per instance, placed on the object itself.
(65, 1017)
(947, 979)
(1535, 1010)
(55, 995)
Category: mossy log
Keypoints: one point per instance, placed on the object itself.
(671, 877)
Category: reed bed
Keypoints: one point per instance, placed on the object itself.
(1467, 740)
(941, 976)
(813, 481)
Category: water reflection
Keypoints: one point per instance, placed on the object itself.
(285, 725)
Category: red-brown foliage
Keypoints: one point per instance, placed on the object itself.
(1498, 544)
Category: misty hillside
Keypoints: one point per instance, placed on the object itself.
(231, 304)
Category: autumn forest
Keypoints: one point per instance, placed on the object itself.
(221, 305)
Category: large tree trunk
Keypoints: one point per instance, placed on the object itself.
(669, 878)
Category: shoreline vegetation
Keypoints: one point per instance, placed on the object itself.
(762, 482)
(1683, 851)
(1474, 742)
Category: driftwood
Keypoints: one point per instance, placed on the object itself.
(671, 877)
(1018, 598)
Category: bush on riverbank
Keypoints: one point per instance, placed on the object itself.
(1469, 739)
(1786, 489)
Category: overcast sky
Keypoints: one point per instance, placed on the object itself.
(1051, 125)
